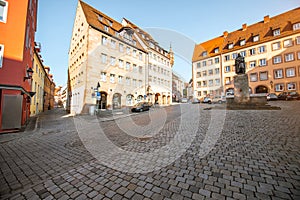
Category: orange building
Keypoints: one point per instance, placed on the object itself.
(18, 21)
(271, 49)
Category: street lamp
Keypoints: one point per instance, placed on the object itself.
(29, 72)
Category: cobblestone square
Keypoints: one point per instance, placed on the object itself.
(256, 156)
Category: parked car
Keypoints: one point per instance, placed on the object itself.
(141, 106)
(272, 97)
(207, 100)
(195, 100)
(289, 96)
(184, 100)
(219, 99)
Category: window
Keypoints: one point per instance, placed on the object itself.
(1, 55)
(276, 32)
(243, 53)
(210, 82)
(234, 55)
(204, 83)
(298, 55)
(103, 58)
(127, 81)
(127, 66)
(253, 77)
(287, 43)
(112, 61)
(227, 81)
(290, 72)
(204, 53)
(120, 79)
(128, 50)
(262, 62)
(279, 87)
(209, 62)
(277, 59)
(210, 72)
(278, 73)
(103, 76)
(113, 44)
(298, 40)
(134, 53)
(289, 57)
(227, 57)
(252, 51)
(199, 84)
(134, 82)
(217, 71)
(296, 26)
(227, 69)
(242, 42)
(216, 50)
(263, 76)
(230, 46)
(121, 47)
(255, 38)
(140, 69)
(276, 46)
(134, 67)
(140, 56)
(217, 81)
(121, 63)
(104, 40)
(261, 49)
(106, 28)
(291, 86)
(198, 75)
(198, 65)
(204, 63)
(140, 83)
(112, 78)
(252, 64)
(199, 93)
(204, 73)
(3, 10)
(217, 60)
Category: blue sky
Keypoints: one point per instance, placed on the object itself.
(188, 22)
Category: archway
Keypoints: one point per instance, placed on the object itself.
(116, 101)
(261, 89)
(168, 100)
(164, 99)
(139, 98)
(157, 98)
(129, 100)
(102, 103)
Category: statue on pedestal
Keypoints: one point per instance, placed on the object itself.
(240, 67)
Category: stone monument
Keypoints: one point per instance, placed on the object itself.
(241, 83)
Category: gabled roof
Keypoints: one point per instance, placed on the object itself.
(264, 29)
(99, 20)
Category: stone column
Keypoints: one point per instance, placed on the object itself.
(241, 89)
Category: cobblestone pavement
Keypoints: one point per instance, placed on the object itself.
(256, 157)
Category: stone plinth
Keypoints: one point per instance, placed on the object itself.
(241, 89)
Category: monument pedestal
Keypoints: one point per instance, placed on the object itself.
(241, 89)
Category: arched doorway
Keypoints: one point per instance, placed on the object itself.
(168, 100)
(116, 101)
(102, 103)
(164, 99)
(129, 100)
(157, 98)
(261, 89)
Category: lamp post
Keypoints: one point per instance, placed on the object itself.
(98, 96)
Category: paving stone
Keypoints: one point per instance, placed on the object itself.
(204, 192)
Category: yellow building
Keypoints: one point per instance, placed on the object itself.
(271, 51)
(109, 63)
(37, 101)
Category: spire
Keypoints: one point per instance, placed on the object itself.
(171, 55)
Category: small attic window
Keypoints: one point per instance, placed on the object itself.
(256, 38)
(230, 46)
(296, 26)
(110, 23)
(216, 50)
(276, 32)
(204, 53)
(242, 42)
(100, 18)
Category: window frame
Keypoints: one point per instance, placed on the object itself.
(280, 89)
(277, 59)
(275, 72)
(276, 32)
(253, 75)
(287, 58)
(260, 76)
(291, 83)
(5, 11)
(288, 70)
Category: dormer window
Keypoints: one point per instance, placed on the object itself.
(296, 26)
(110, 23)
(100, 18)
(256, 38)
(242, 42)
(230, 46)
(216, 50)
(204, 53)
(106, 28)
(276, 32)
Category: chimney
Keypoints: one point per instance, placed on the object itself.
(244, 26)
(266, 18)
(225, 34)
